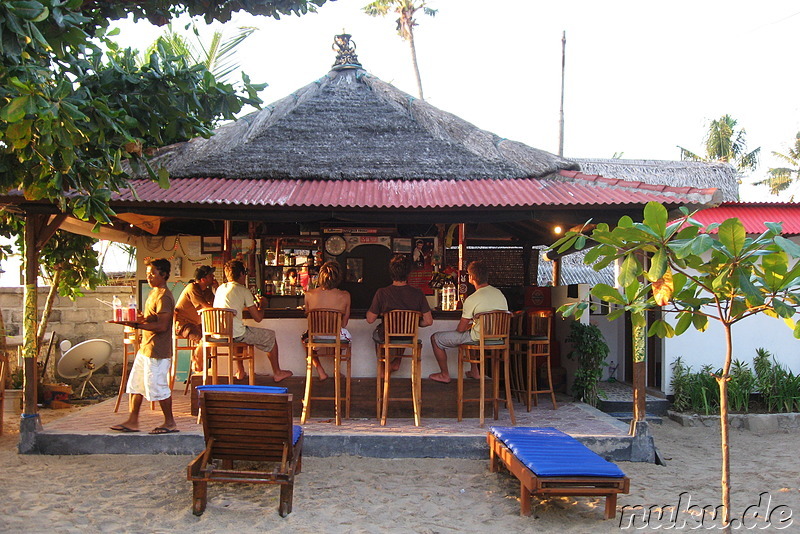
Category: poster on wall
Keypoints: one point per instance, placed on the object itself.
(422, 253)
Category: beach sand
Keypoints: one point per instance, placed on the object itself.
(147, 493)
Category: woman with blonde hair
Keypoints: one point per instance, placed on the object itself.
(328, 296)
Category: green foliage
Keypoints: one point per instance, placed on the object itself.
(727, 144)
(16, 378)
(590, 349)
(741, 386)
(695, 392)
(779, 388)
(780, 178)
(73, 105)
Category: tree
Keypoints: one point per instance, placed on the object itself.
(405, 24)
(725, 143)
(779, 179)
(218, 56)
(684, 270)
(70, 113)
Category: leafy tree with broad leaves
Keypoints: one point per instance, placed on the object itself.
(73, 105)
(779, 179)
(726, 144)
(405, 9)
(685, 270)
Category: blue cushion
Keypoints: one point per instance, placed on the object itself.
(243, 387)
(551, 453)
(297, 431)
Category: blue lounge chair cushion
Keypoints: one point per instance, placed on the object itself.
(242, 387)
(297, 430)
(551, 453)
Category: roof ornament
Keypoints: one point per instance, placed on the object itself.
(345, 49)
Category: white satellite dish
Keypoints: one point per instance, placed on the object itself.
(83, 360)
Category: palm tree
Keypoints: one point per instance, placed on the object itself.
(217, 56)
(725, 143)
(405, 24)
(779, 179)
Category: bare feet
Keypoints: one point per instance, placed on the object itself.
(240, 376)
(473, 374)
(323, 376)
(280, 375)
(395, 364)
(442, 378)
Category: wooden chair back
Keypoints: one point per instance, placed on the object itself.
(248, 426)
(324, 324)
(217, 324)
(400, 325)
(494, 327)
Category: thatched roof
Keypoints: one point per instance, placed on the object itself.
(674, 173)
(349, 125)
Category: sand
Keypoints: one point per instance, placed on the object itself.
(144, 493)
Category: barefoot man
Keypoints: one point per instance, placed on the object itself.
(486, 298)
(234, 294)
(149, 378)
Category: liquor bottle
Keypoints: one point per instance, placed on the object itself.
(131, 309)
(116, 304)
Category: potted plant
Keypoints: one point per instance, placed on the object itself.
(13, 394)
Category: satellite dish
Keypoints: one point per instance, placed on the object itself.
(83, 360)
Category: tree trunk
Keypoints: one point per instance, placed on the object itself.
(722, 381)
(639, 344)
(30, 312)
(48, 307)
(414, 62)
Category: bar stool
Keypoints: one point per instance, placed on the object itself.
(131, 338)
(401, 329)
(177, 348)
(529, 347)
(218, 341)
(325, 340)
(493, 344)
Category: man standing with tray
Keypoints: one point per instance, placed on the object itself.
(149, 378)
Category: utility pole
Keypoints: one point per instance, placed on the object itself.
(561, 114)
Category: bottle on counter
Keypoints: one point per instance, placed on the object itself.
(116, 304)
(131, 310)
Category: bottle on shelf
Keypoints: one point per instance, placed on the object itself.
(116, 304)
(131, 310)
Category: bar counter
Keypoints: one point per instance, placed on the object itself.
(289, 325)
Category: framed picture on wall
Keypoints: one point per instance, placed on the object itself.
(210, 244)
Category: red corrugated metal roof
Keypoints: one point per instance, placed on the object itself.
(571, 188)
(753, 215)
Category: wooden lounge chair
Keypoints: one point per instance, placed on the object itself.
(548, 462)
(251, 424)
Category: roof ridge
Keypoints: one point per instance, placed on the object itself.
(618, 182)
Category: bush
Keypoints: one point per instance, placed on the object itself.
(699, 392)
(590, 349)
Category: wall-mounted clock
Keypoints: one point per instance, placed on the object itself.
(335, 245)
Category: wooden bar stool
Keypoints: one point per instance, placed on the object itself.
(218, 341)
(180, 344)
(529, 346)
(131, 338)
(401, 329)
(325, 340)
(493, 344)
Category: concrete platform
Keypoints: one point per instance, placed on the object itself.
(87, 432)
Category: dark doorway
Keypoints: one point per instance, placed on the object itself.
(373, 261)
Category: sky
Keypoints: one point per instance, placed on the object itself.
(641, 77)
